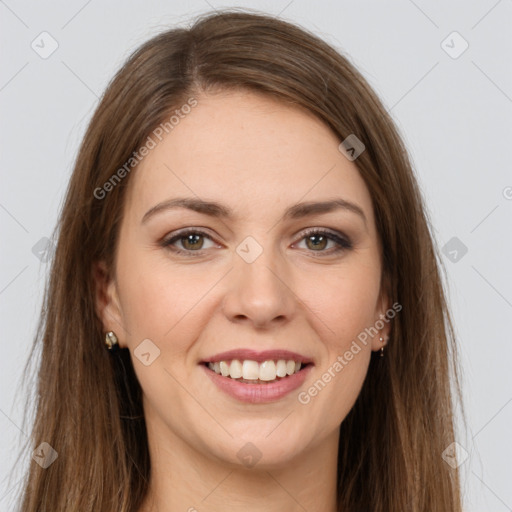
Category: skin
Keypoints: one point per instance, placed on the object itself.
(258, 157)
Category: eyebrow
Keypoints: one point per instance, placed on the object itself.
(218, 210)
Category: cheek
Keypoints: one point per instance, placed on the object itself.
(345, 301)
(155, 294)
(343, 306)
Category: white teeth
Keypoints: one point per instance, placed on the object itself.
(224, 368)
(267, 370)
(235, 369)
(281, 368)
(252, 370)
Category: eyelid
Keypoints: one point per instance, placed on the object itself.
(342, 241)
(175, 236)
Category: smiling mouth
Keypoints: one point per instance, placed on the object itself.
(252, 372)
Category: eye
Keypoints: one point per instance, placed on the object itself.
(316, 240)
(190, 240)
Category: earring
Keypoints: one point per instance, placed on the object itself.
(381, 348)
(111, 341)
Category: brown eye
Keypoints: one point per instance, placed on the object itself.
(317, 240)
(191, 241)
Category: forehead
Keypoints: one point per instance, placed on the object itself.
(250, 152)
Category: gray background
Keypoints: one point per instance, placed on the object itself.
(455, 115)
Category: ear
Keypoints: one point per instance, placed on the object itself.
(382, 321)
(107, 303)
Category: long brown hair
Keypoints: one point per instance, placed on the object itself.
(88, 404)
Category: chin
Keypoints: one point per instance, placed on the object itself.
(259, 451)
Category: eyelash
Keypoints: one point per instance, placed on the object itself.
(343, 244)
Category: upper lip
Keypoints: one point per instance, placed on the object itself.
(266, 355)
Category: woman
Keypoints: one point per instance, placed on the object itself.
(245, 307)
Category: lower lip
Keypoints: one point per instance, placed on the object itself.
(259, 393)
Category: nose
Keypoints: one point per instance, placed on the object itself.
(260, 293)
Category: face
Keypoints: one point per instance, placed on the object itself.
(190, 285)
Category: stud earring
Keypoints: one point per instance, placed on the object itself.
(111, 341)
